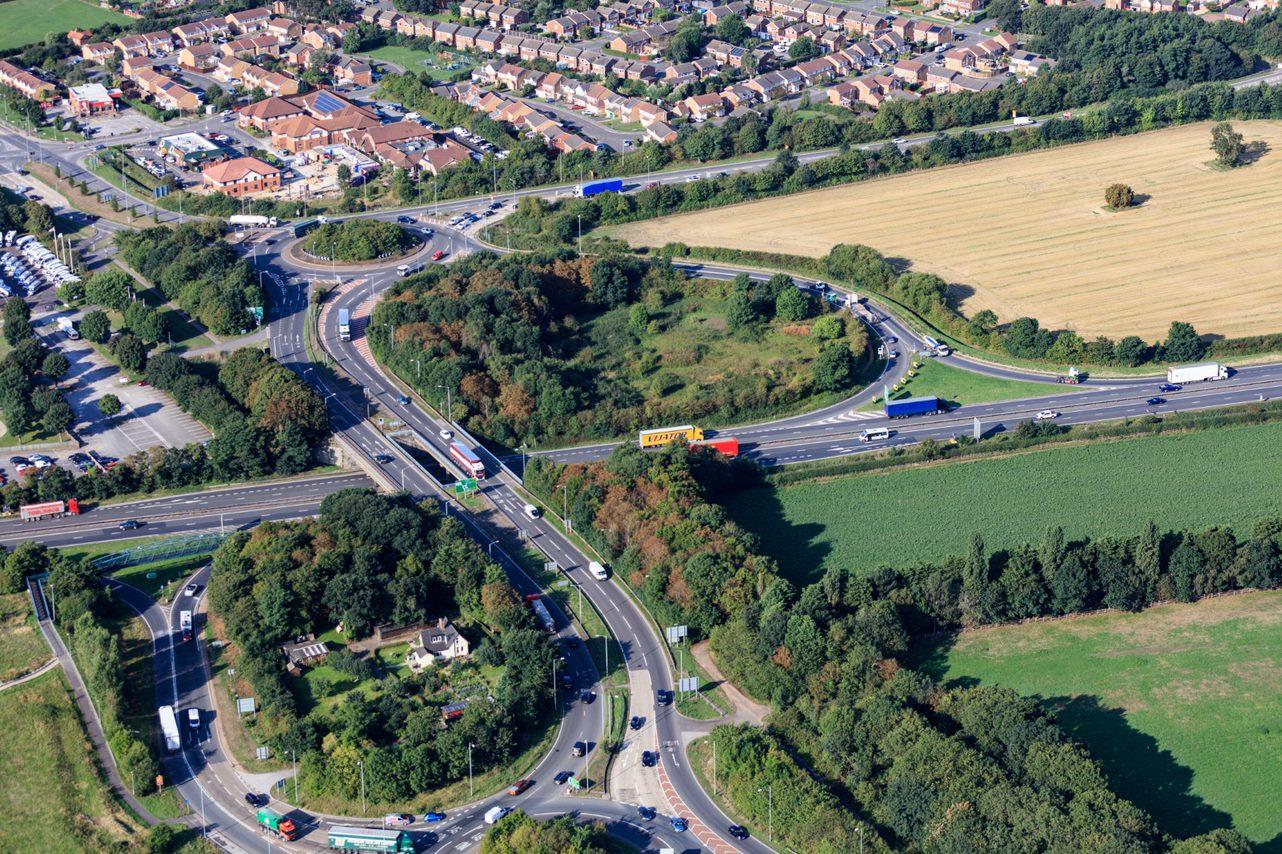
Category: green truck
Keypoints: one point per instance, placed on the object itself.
(273, 822)
(370, 839)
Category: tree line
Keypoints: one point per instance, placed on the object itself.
(195, 268)
(30, 398)
(370, 560)
(919, 765)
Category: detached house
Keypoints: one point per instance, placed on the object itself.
(438, 644)
(241, 176)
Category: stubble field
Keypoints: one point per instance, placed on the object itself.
(1028, 234)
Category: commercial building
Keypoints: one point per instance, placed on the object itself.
(242, 176)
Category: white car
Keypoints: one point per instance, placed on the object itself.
(446, 435)
(1046, 415)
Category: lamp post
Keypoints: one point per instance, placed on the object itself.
(770, 810)
(449, 401)
(470, 791)
(361, 762)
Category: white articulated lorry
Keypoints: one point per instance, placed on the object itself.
(1196, 373)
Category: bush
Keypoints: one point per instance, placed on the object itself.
(1119, 196)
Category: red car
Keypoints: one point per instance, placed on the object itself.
(438, 254)
(519, 786)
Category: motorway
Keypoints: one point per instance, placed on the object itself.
(356, 385)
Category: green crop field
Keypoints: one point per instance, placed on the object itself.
(1182, 704)
(25, 21)
(896, 517)
(956, 386)
(22, 647)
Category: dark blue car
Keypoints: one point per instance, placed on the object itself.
(1155, 401)
(434, 817)
(1169, 387)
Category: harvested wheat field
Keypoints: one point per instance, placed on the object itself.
(1029, 235)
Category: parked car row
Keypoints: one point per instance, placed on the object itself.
(37, 262)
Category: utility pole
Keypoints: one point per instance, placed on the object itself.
(293, 765)
(471, 792)
(565, 519)
(362, 764)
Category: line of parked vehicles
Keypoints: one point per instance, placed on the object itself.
(27, 270)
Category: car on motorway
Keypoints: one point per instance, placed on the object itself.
(403, 399)
(1046, 415)
(445, 435)
(532, 511)
(647, 813)
(649, 758)
(899, 140)
(256, 800)
(398, 819)
(1155, 401)
(1169, 387)
(738, 831)
(438, 254)
(580, 748)
(382, 459)
(192, 590)
(587, 696)
(405, 219)
(130, 525)
(679, 824)
(519, 786)
(433, 817)
(664, 697)
(562, 776)
(635, 723)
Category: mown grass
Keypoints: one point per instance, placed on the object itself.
(899, 516)
(22, 648)
(933, 377)
(1182, 704)
(417, 61)
(25, 21)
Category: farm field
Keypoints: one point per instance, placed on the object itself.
(52, 798)
(1027, 234)
(25, 21)
(1179, 703)
(962, 387)
(928, 512)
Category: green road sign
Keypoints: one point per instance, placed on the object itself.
(574, 784)
(465, 486)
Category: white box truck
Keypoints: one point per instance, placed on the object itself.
(169, 727)
(68, 328)
(598, 571)
(1196, 373)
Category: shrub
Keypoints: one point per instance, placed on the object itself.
(1119, 196)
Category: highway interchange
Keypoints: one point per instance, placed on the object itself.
(353, 386)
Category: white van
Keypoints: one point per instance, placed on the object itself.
(876, 434)
(598, 571)
(493, 814)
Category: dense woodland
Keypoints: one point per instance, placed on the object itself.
(554, 346)
(197, 270)
(857, 734)
(369, 560)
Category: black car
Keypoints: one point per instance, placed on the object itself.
(1155, 401)
(256, 800)
(647, 813)
(580, 748)
(1168, 387)
(665, 698)
(130, 525)
(403, 399)
(649, 759)
(562, 776)
(737, 831)
(635, 723)
(405, 219)
(587, 696)
(382, 459)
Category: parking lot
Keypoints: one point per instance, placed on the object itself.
(148, 418)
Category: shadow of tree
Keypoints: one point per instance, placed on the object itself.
(798, 549)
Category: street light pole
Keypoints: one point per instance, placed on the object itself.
(470, 791)
(362, 764)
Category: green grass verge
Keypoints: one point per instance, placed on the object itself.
(957, 386)
(904, 515)
(418, 61)
(25, 21)
(160, 579)
(22, 647)
(1181, 703)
